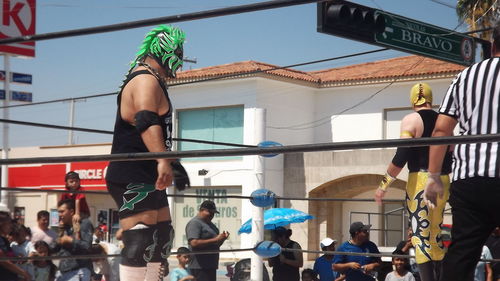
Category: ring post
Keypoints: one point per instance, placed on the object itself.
(257, 234)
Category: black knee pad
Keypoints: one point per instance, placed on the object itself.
(164, 236)
(139, 246)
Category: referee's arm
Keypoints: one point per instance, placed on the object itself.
(444, 128)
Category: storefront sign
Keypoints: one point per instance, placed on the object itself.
(228, 219)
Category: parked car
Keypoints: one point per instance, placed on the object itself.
(240, 271)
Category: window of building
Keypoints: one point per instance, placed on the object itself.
(221, 124)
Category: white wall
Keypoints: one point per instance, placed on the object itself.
(365, 120)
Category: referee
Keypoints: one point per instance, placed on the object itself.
(472, 101)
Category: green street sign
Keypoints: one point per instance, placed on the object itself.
(428, 40)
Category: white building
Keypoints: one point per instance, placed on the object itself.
(352, 103)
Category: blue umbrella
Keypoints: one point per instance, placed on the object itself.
(277, 217)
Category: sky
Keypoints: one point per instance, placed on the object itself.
(95, 64)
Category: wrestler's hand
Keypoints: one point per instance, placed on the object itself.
(165, 174)
(433, 189)
(379, 195)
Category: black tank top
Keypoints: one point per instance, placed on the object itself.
(285, 272)
(418, 157)
(127, 139)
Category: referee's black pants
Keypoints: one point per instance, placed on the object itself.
(475, 204)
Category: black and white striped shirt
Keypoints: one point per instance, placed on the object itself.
(473, 98)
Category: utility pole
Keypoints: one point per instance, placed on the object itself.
(5, 137)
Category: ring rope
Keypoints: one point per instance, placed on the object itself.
(259, 150)
(362, 254)
(54, 257)
(198, 196)
(161, 20)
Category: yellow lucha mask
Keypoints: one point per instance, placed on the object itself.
(420, 94)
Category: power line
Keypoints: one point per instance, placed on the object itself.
(279, 67)
(88, 130)
(161, 20)
(329, 118)
(205, 80)
(59, 100)
(444, 4)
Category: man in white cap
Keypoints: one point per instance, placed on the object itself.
(323, 265)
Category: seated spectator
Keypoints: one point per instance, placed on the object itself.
(42, 231)
(9, 271)
(21, 247)
(108, 267)
(286, 265)
(323, 265)
(44, 270)
(400, 272)
(181, 273)
(358, 268)
(71, 243)
(309, 275)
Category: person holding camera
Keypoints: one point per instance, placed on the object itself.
(203, 235)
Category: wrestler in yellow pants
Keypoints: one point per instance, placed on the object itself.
(425, 223)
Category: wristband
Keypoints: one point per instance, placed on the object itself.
(434, 176)
(386, 182)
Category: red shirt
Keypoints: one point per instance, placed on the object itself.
(84, 208)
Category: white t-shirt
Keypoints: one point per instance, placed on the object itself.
(110, 266)
(480, 272)
(392, 277)
(49, 236)
(23, 250)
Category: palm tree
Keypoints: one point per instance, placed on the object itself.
(478, 14)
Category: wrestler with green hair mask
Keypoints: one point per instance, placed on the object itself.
(165, 45)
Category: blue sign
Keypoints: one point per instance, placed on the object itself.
(22, 78)
(21, 96)
(17, 96)
(17, 77)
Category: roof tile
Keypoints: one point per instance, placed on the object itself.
(396, 67)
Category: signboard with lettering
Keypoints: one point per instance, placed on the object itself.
(421, 38)
(51, 176)
(17, 96)
(229, 218)
(18, 19)
(17, 77)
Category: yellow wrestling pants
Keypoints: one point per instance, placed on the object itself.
(425, 224)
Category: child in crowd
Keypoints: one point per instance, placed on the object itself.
(400, 266)
(72, 183)
(309, 275)
(22, 247)
(44, 270)
(181, 273)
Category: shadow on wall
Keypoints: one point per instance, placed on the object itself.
(294, 178)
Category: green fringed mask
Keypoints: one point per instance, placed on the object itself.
(164, 44)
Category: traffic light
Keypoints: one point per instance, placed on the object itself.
(349, 20)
